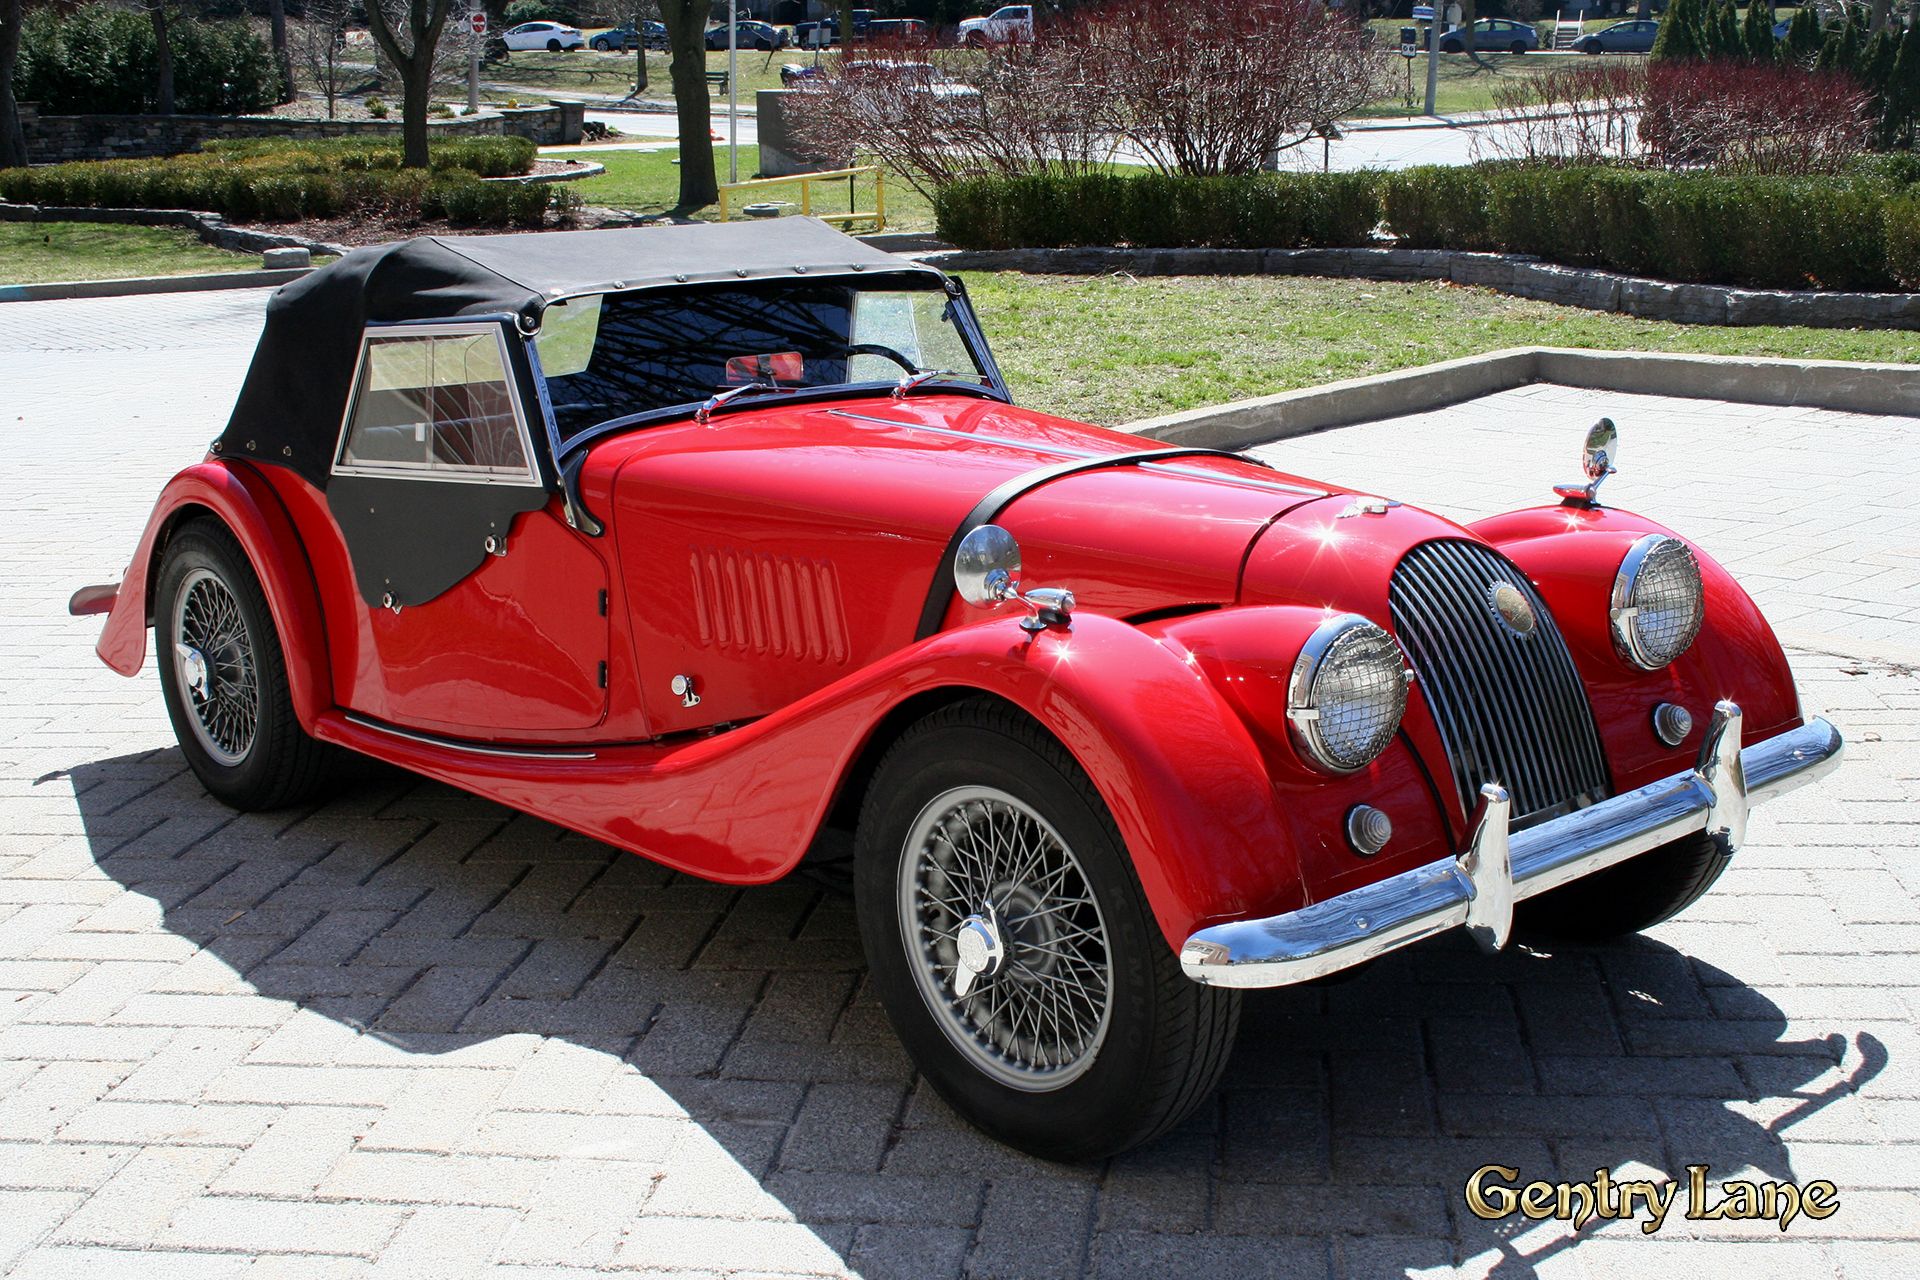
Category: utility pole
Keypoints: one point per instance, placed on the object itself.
(733, 91)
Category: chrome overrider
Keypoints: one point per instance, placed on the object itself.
(1478, 888)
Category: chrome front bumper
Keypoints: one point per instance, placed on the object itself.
(1478, 888)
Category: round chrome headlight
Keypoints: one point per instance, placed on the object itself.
(1347, 694)
(1657, 601)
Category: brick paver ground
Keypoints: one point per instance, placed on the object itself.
(409, 1033)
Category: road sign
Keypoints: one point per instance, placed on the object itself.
(1423, 13)
(478, 21)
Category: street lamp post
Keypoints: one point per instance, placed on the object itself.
(1433, 58)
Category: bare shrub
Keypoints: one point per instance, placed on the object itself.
(1730, 115)
(1219, 86)
(1749, 118)
(1211, 87)
(938, 115)
(1568, 115)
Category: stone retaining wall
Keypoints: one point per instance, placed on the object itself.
(210, 227)
(55, 139)
(1514, 274)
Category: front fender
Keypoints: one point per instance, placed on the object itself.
(245, 502)
(1572, 554)
(1179, 772)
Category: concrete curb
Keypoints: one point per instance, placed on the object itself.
(593, 169)
(62, 290)
(1515, 274)
(1813, 384)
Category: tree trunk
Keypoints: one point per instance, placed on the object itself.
(1644, 11)
(13, 140)
(277, 17)
(425, 21)
(640, 51)
(1882, 10)
(162, 59)
(846, 29)
(416, 95)
(686, 37)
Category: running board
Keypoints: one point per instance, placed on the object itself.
(471, 748)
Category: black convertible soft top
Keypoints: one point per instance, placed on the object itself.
(290, 407)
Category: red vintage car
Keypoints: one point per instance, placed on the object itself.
(727, 545)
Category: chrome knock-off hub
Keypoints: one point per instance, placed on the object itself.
(193, 669)
(980, 951)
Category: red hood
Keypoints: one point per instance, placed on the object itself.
(780, 547)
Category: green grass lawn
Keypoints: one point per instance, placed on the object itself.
(649, 182)
(1114, 349)
(43, 252)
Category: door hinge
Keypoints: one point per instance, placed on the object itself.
(603, 675)
(603, 602)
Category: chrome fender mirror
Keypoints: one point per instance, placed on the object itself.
(986, 572)
(1597, 460)
(986, 567)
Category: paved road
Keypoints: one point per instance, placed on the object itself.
(408, 1033)
(1362, 147)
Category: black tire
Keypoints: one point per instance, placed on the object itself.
(602, 45)
(553, 46)
(975, 40)
(278, 765)
(1517, 47)
(1625, 899)
(1165, 1039)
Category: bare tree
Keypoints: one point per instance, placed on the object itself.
(408, 33)
(686, 22)
(13, 140)
(321, 43)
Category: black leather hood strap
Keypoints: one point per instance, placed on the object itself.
(989, 508)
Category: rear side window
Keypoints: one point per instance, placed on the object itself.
(437, 407)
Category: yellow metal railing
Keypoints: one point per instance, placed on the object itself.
(877, 215)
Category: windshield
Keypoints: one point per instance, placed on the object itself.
(610, 356)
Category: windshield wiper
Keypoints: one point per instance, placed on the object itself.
(720, 398)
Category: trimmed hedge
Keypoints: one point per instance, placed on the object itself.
(272, 180)
(1154, 210)
(1850, 233)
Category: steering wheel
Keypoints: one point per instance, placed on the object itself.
(884, 352)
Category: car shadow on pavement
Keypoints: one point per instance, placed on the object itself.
(423, 922)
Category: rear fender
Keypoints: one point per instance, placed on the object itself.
(241, 499)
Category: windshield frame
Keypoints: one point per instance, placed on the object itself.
(965, 321)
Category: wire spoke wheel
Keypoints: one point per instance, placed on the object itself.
(1005, 939)
(213, 658)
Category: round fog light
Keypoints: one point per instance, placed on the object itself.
(1672, 723)
(1368, 830)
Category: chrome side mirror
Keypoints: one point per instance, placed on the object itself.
(1596, 459)
(986, 572)
(986, 567)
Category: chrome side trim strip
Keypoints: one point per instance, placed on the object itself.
(1068, 451)
(471, 748)
(1500, 867)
